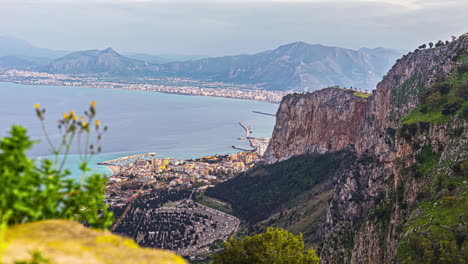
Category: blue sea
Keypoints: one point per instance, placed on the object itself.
(139, 122)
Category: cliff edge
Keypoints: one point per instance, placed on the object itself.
(314, 123)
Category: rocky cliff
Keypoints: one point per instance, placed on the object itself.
(319, 122)
(375, 196)
(403, 199)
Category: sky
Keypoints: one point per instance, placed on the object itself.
(227, 27)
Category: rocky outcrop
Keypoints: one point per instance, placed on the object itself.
(374, 196)
(61, 241)
(315, 123)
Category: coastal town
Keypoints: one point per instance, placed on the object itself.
(153, 201)
(159, 202)
(172, 85)
(172, 173)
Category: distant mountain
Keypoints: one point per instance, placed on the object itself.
(23, 63)
(154, 59)
(10, 46)
(173, 57)
(297, 66)
(105, 61)
(383, 56)
(164, 58)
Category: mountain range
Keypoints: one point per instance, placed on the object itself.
(297, 66)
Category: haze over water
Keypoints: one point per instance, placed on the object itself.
(139, 122)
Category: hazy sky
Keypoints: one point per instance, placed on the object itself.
(220, 27)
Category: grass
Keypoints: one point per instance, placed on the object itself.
(433, 117)
(362, 95)
(433, 114)
(214, 203)
(428, 158)
(437, 220)
(355, 93)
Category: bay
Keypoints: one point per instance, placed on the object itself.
(171, 125)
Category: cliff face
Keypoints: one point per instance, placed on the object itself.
(400, 167)
(376, 195)
(315, 123)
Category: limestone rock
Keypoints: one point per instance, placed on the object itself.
(326, 120)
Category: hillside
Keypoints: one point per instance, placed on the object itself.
(10, 46)
(297, 66)
(105, 61)
(401, 195)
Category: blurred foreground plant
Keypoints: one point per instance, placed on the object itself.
(32, 191)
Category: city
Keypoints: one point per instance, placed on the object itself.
(171, 85)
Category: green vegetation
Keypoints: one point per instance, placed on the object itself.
(354, 92)
(362, 95)
(275, 246)
(36, 258)
(213, 203)
(410, 87)
(436, 232)
(33, 190)
(265, 190)
(427, 160)
(446, 98)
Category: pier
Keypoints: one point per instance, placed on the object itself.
(262, 113)
(258, 144)
(127, 159)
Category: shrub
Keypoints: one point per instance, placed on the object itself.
(424, 109)
(462, 69)
(434, 100)
(464, 113)
(462, 90)
(442, 87)
(451, 108)
(36, 191)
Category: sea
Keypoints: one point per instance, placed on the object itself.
(138, 122)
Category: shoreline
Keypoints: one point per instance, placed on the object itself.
(140, 90)
(115, 169)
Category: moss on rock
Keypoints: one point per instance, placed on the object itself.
(63, 241)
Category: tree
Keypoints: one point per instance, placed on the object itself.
(439, 43)
(275, 246)
(431, 44)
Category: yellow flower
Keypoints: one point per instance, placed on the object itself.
(37, 106)
(93, 104)
(66, 116)
(72, 112)
(75, 117)
(85, 124)
(97, 122)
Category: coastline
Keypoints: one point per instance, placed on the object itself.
(142, 90)
(115, 169)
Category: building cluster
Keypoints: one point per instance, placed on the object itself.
(142, 176)
(202, 171)
(164, 85)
